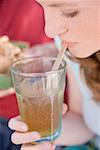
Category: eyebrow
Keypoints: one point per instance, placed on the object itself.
(55, 4)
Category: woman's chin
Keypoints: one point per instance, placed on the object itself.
(81, 52)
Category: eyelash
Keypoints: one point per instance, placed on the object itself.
(71, 15)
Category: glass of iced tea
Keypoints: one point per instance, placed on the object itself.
(40, 93)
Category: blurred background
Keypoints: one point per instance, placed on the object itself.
(21, 35)
(21, 31)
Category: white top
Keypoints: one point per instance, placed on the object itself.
(91, 110)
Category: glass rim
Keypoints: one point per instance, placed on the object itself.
(37, 74)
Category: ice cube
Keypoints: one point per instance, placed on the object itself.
(31, 87)
(52, 82)
(38, 88)
(26, 87)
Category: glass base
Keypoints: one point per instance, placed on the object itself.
(49, 138)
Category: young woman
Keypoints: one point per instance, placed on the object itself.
(77, 23)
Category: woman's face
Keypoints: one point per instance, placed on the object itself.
(76, 21)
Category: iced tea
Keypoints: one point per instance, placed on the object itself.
(42, 114)
(40, 94)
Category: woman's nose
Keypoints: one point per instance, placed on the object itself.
(54, 24)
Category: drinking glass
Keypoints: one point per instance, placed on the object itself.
(40, 93)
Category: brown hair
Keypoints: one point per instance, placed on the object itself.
(91, 69)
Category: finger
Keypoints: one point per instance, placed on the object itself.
(64, 109)
(42, 146)
(22, 138)
(17, 124)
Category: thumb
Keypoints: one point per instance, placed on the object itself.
(64, 109)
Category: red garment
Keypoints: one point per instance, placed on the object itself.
(22, 20)
(8, 106)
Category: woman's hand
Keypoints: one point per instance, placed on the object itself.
(21, 136)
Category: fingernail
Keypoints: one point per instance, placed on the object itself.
(36, 135)
(24, 127)
(47, 146)
(54, 147)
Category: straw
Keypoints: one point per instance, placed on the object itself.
(59, 57)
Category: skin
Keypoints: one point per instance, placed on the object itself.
(80, 30)
(77, 23)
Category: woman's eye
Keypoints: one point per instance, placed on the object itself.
(71, 14)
